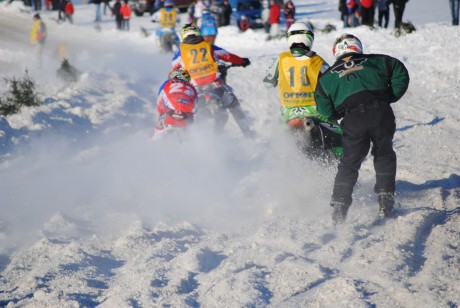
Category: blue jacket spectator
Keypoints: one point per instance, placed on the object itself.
(208, 26)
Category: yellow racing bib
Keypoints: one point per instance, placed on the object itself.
(297, 80)
(198, 61)
(168, 19)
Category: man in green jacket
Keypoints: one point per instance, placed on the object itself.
(360, 88)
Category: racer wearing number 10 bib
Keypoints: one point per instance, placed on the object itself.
(296, 73)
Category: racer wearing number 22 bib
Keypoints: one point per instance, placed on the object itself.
(199, 57)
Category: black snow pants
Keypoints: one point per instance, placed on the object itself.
(362, 125)
(399, 12)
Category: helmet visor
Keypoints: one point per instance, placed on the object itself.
(179, 73)
(344, 37)
(189, 29)
(295, 32)
(346, 44)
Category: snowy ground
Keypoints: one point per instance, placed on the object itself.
(94, 214)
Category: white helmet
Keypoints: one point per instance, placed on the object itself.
(300, 33)
(346, 44)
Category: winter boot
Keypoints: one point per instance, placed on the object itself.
(339, 213)
(386, 203)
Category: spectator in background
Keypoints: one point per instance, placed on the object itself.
(274, 19)
(158, 4)
(384, 13)
(199, 6)
(266, 15)
(97, 3)
(226, 12)
(353, 13)
(367, 6)
(289, 13)
(208, 26)
(125, 11)
(374, 8)
(398, 9)
(61, 13)
(38, 33)
(116, 11)
(454, 10)
(106, 5)
(69, 10)
(37, 5)
(216, 11)
(151, 6)
(244, 23)
(55, 5)
(38, 37)
(343, 12)
(191, 12)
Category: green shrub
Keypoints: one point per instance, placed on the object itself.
(20, 93)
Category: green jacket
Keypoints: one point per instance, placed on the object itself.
(360, 79)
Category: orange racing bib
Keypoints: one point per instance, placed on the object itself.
(198, 61)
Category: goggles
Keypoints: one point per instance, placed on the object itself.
(305, 32)
(178, 115)
(344, 37)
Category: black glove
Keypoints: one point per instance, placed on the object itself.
(246, 62)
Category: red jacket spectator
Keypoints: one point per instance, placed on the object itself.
(69, 9)
(367, 3)
(352, 6)
(367, 12)
(275, 13)
(125, 11)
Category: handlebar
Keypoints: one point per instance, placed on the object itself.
(223, 68)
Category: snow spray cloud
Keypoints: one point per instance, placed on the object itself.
(63, 168)
(210, 180)
(166, 181)
(100, 173)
